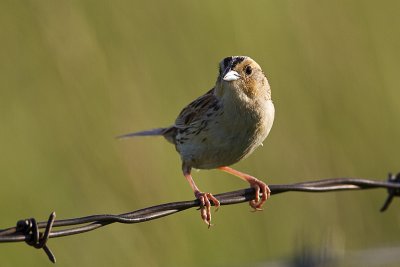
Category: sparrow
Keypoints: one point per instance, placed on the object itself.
(222, 127)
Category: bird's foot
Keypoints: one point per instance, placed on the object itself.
(205, 205)
(259, 186)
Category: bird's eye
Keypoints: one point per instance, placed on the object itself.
(248, 70)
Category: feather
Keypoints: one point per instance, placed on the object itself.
(157, 131)
(194, 113)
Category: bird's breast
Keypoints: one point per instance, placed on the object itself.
(230, 135)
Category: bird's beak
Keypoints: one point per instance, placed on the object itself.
(231, 76)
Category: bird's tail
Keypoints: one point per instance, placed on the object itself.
(168, 133)
(158, 131)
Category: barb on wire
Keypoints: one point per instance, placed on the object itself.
(28, 230)
(392, 191)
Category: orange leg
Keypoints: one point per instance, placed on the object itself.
(205, 198)
(255, 183)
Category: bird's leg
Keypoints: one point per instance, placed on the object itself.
(255, 183)
(205, 198)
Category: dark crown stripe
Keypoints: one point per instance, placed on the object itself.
(231, 62)
(236, 60)
(227, 61)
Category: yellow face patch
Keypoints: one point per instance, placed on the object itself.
(252, 77)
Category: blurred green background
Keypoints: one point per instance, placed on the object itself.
(74, 74)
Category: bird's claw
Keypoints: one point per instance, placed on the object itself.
(205, 206)
(259, 186)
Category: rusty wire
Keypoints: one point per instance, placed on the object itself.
(27, 230)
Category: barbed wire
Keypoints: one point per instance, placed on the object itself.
(27, 230)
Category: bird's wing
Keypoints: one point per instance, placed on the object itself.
(200, 109)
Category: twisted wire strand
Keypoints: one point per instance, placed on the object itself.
(28, 230)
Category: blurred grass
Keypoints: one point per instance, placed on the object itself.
(74, 74)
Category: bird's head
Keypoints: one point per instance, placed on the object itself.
(242, 75)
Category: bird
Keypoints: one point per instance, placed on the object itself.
(223, 127)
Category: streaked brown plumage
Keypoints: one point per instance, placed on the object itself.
(224, 126)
